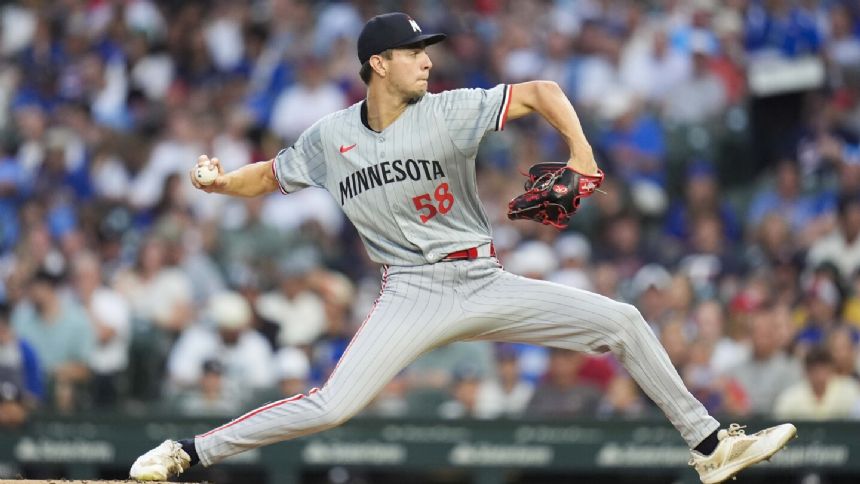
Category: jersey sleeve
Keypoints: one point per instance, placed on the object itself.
(302, 164)
(471, 113)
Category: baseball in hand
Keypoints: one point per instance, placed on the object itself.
(206, 174)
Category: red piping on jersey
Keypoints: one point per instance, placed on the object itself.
(298, 397)
(256, 411)
(275, 173)
(507, 105)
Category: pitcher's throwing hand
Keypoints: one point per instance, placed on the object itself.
(207, 174)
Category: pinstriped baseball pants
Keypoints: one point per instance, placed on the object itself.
(423, 307)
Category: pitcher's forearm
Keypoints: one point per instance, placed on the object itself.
(547, 99)
(554, 106)
(250, 181)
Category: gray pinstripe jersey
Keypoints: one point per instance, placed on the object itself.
(410, 190)
(396, 187)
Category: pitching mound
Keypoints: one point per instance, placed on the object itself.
(61, 481)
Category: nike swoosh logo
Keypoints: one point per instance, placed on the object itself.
(344, 149)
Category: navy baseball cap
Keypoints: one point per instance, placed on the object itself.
(390, 31)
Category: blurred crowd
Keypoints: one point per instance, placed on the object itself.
(729, 132)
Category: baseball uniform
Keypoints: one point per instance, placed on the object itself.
(411, 192)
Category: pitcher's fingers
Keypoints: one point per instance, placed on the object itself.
(203, 160)
(217, 164)
(194, 181)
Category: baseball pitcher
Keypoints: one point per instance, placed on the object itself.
(401, 164)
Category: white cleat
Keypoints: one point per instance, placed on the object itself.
(737, 451)
(160, 463)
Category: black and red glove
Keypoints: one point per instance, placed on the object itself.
(553, 194)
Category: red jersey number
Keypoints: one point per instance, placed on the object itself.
(443, 197)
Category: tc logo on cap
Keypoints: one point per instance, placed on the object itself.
(414, 24)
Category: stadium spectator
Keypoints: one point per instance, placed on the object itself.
(621, 241)
(676, 341)
(397, 400)
(13, 190)
(822, 394)
(681, 299)
(635, 150)
(649, 289)
(60, 330)
(606, 280)
(436, 369)
(297, 309)
(633, 141)
(654, 67)
(819, 314)
(181, 141)
(245, 354)
(246, 242)
(110, 316)
(768, 370)
(710, 259)
(851, 310)
(210, 396)
(726, 352)
(13, 410)
(842, 345)
(292, 376)
(292, 371)
(153, 279)
(772, 246)
(506, 395)
(534, 259)
(842, 246)
(599, 75)
(574, 254)
(786, 198)
(701, 379)
(781, 28)
(187, 248)
(19, 364)
(338, 295)
(843, 46)
(301, 104)
(463, 399)
(702, 97)
(701, 196)
(623, 399)
(564, 392)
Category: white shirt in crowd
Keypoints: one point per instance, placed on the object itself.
(835, 249)
(110, 309)
(493, 401)
(248, 364)
(840, 400)
(299, 106)
(302, 319)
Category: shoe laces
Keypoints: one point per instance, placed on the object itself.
(734, 430)
(176, 456)
(171, 453)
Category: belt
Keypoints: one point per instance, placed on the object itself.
(486, 250)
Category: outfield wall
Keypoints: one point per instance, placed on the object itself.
(485, 452)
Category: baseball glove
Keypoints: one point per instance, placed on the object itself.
(553, 194)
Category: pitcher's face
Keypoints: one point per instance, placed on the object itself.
(409, 71)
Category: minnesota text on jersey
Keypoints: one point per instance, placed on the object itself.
(388, 172)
